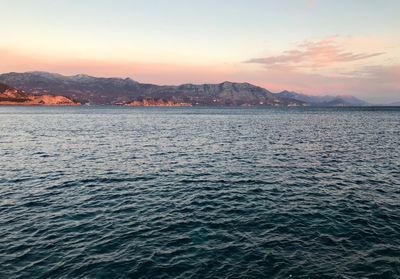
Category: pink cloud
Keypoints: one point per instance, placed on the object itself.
(317, 54)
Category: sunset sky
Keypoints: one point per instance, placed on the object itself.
(315, 47)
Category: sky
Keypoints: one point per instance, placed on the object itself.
(315, 47)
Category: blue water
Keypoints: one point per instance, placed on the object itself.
(103, 192)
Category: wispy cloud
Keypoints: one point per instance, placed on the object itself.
(313, 55)
(382, 73)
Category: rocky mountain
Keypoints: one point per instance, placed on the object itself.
(80, 87)
(327, 100)
(96, 90)
(12, 96)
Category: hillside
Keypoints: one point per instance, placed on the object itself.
(12, 96)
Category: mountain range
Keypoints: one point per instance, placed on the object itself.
(105, 91)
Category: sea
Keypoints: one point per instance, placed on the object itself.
(199, 192)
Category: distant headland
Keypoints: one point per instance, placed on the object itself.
(12, 96)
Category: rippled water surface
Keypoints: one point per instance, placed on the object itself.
(102, 192)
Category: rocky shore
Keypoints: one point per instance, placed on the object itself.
(157, 103)
(12, 96)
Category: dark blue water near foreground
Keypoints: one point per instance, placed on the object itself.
(199, 193)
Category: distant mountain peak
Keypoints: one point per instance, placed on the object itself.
(43, 74)
(344, 95)
(82, 76)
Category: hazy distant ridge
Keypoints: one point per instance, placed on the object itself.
(327, 100)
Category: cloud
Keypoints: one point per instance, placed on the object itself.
(313, 55)
(381, 73)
